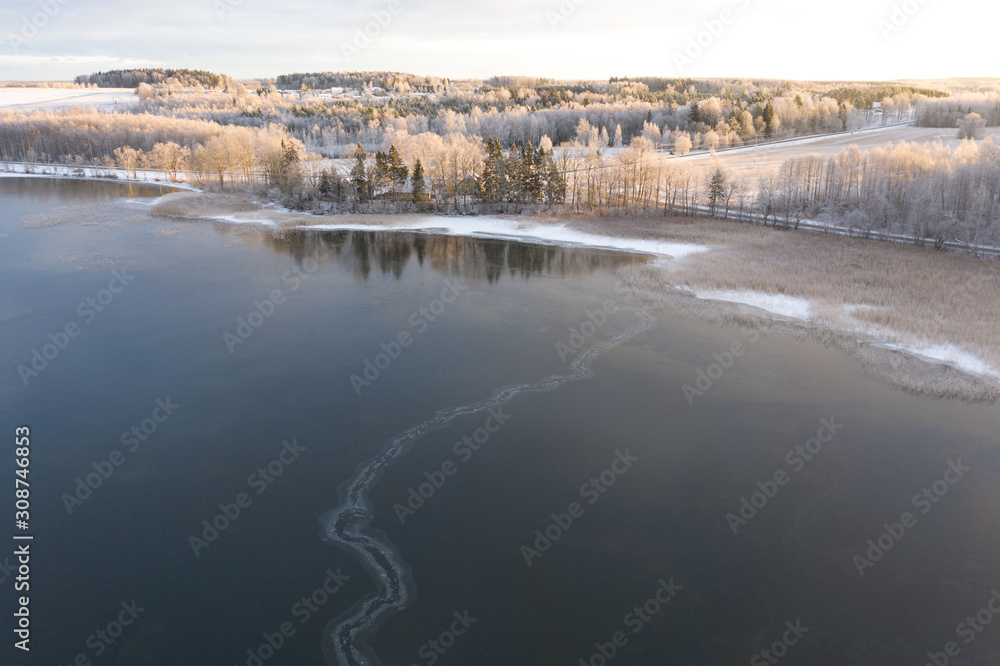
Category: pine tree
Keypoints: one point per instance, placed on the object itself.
(419, 188)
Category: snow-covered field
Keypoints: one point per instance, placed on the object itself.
(57, 98)
(766, 159)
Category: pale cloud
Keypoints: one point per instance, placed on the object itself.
(590, 39)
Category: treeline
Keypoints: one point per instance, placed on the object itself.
(131, 78)
(951, 112)
(862, 97)
(331, 127)
(676, 115)
(918, 190)
(393, 81)
(463, 181)
(202, 150)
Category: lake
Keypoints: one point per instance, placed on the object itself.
(254, 447)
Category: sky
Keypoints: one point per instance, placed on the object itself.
(562, 39)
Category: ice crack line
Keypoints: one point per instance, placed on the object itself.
(349, 524)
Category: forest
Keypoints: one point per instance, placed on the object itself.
(131, 78)
(512, 144)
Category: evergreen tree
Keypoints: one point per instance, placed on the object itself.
(489, 184)
(716, 189)
(554, 185)
(768, 117)
(331, 186)
(694, 116)
(289, 176)
(397, 169)
(359, 174)
(530, 181)
(419, 188)
(381, 175)
(513, 177)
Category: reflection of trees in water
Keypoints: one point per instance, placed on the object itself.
(471, 259)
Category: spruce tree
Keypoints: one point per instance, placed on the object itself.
(397, 170)
(359, 174)
(419, 188)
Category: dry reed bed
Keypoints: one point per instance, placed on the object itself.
(911, 296)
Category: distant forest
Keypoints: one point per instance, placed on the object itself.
(359, 81)
(131, 78)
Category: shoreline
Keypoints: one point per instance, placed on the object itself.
(681, 250)
(100, 174)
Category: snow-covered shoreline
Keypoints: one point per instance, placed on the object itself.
(525, 231)
(804, 309)
(102, 174)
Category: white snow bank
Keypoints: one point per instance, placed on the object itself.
(953, 356)
(787, 306)
(491, 227)
(232, 219)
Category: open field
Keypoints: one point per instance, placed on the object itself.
(769, 158)
(50, 99)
